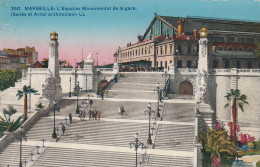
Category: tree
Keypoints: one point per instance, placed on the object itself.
(10, 126)
(235, 98)
(6, 124)
(217, 144)
(8, 78)
(10, 111)
(26, 90)
(45, 62)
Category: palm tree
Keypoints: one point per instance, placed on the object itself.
(26, 90)
(235, 97)
(10, 126)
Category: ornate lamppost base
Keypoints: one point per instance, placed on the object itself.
(77, 111)
(69, 94)
(149, 141)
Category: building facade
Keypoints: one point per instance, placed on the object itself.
(175, 40)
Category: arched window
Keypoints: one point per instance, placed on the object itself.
(238, 64)
(226, 64)
(220, 48)
(230, 49)
(240, 49)
(250, 50)
(249, 64)
(215, 64)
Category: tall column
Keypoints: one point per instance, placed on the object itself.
(53, 63)
(52, 87)
(202, 78)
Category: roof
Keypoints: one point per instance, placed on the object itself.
(23, 55)
(197, 23)
(234, 54)
(13, 56)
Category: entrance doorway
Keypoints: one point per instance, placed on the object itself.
(186, 88)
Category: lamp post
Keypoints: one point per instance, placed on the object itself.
(136, 144)
(70, 88)
(159, 92)
(149, 111)
(20, 139)
(54, 135)
(77, 88)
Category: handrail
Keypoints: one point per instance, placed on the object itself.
(112, 81)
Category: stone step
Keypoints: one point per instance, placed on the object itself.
(85, 158)
(11, 154)
(166, 161)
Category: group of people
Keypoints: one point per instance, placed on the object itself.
(94, 114)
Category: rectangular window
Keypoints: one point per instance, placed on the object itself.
(189, 49)
(179, 48)
(170, 48)
(240, 40)
(250, 40)
(170, 61)
(188, 64)
(230, 40)
(210, 38)
(179, 64)
(218, 39)
(165, 64)
(161, 64)
(165, 49)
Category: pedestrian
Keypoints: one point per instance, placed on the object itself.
(93, 114)
(89, 114)
(102, 94)
(80, 113)
(63, 129)
(84, 115)
(122, 110)
(99, 115)
(96, 113)
(90, 103)
(70, 117)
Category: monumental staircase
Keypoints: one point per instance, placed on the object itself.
(105, 142)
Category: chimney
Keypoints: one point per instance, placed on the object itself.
(195, 34)
(180, 27)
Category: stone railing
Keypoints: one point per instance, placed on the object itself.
(8, 138)
(106, 69)
(67, 69)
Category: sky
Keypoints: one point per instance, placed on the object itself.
(102, 31)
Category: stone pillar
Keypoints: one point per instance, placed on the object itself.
(202, 78)
(202, 93)
(197, 144)
(88, 71)
(116, 68)
(52, 87)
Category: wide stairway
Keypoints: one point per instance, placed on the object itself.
(105, 142)
(139, 85)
